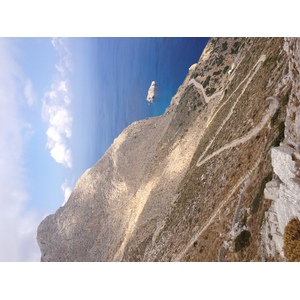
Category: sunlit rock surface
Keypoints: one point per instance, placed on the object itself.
(151, 92)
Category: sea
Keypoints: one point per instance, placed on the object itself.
(115, 75)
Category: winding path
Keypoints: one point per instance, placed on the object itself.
(249, 77)
(200, 86)
(274, 104)
(209, 221)
(252, 133)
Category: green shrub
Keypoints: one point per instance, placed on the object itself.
(220, 60)
(217, 72)
(285, 99)
(280, 136)
(206, 82)
(224, 46)
(195, 74)
(256, 201)
(242, 240)
(225, 69)
(278, 139)
(236, 45)
(244, 221)
(291, 240)
(269, 60)
(281, 127)
(275, 117)
(235, 48)
(262, 218)
(209, 91)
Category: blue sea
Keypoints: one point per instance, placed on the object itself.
(111, 91)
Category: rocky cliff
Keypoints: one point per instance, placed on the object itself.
(284, 189)
(190, 185)
(151, 92)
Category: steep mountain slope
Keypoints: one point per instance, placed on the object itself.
(188, 185)
(284, 189)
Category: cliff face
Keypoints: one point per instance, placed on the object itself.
(284, 189)
(189, 185)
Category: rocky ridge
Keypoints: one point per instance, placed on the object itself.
(189, 185)
(284, 189)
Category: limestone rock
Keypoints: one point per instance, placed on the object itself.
(272, 190)
(151, 92)
(282, 163)
(286, 193)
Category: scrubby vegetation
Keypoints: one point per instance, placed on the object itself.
(269, 60)
(224, 46)
(291, 240)
(280, 136)
(206, 82)
(281, 127)
(194, 75)
(242, 240)
(225, 69)
(235, 48)
(285, 99)
(217, 73)
(209, 91)
(244, 220)
(275, 117)
(256, 201)
(220, 60)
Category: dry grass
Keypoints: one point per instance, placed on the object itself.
(204, 188)
(291, 240)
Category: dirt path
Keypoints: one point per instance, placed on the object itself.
(274, 104)
(209, 221)
(252, 133)
(200, 86)
(249, 77)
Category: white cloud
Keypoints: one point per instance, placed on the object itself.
(65, 61)
(60, 69)
(62, 87)
(67, 190)
(56, 108)
(61, 154)
(17, 224)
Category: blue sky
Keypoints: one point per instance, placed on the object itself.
(35, 130)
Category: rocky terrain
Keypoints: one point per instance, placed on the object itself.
(215, 178)
(284, 189)
(151, 92)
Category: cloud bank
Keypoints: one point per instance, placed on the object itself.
(56, 107)
(17, 224)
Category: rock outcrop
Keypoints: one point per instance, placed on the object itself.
(189, 185)
(151, 92)
(284, 190)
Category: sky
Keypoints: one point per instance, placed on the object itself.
(63, 101)
(35, 132)
(35, 120)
